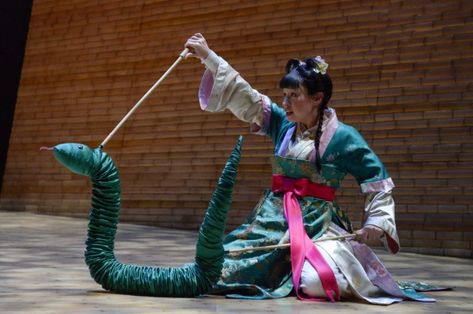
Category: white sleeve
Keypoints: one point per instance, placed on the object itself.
(379, 211)
(222, 88)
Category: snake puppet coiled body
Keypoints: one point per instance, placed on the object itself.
(189, 280)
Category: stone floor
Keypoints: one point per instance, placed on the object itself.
(42, 270)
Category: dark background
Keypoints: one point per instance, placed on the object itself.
(14, 19)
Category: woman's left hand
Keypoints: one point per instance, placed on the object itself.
(370, 235)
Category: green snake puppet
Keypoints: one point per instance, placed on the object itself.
(186, 281)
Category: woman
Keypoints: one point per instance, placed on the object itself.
(313, 153)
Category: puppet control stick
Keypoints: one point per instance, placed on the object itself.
(285, 245)
(179, 59)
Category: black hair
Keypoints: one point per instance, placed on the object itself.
(305, 74)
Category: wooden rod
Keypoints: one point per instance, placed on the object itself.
(284, 245)
(182, 55)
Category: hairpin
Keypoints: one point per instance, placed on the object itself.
(321, 65)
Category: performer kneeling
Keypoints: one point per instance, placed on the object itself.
(313, 152)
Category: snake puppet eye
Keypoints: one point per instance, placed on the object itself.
(80, 146)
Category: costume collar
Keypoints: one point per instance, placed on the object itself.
(329, 126)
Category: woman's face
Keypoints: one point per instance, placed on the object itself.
(300, 107)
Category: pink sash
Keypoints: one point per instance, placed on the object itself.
(302, 247)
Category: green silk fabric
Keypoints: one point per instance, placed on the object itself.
(267, 274)
(346, 153)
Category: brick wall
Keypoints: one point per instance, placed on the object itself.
(401, 72)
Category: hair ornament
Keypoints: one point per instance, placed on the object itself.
(320, 65)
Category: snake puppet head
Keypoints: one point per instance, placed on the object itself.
(78, 158)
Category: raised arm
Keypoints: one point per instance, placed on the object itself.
(222, 87)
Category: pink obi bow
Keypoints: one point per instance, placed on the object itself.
(302, 247)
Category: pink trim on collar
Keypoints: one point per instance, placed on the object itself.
(330, 129)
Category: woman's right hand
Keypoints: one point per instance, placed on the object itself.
(198, 47)
(370, 235)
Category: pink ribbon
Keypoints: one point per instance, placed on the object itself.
(302, 247)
